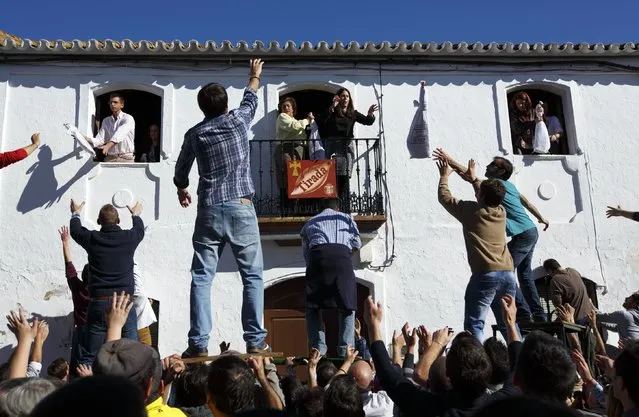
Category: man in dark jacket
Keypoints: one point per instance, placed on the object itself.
(110, 254)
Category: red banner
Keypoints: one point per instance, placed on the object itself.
(311, 179)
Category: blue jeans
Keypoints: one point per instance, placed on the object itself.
(315, 330)
(96, 328)
(484, 291)
(521, 248)
(233, 222)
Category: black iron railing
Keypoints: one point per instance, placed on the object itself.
(359, 190)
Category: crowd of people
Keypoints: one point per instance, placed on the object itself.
(113, 370)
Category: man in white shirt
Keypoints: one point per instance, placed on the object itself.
(116, 137)
(376, 404)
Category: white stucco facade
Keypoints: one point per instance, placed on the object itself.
(424, 284)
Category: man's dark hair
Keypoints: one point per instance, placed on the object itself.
(523, 407)
(311, 403)
(505, 168)
(59, 368)
(498, 354)
(635, 297)
(544, 368)
(191, 386)
(108, 215)
(627, 368)
(325, 371)
(98, 396)
(438, 382)
(468, 367)
(231, 385)
(492, 192)
(330, 203)
(117, 95)
(292, 389)
(551, 265)
(213, 100)
(343, 399)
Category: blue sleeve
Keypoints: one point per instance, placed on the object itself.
(362, 347)
(248, 106)
(184, 164)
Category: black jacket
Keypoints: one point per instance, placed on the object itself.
(111, 252)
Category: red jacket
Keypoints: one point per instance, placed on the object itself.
(9, 158)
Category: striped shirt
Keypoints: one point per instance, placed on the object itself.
(329, 226)
(221, 146)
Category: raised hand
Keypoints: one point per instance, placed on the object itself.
(256, 67)
(614, 212)
(441, 155)
(372, 312)
(409, 337)
(257, 365)
(64, 234)
(224, 346)
(358, 329)
(84, 370)
(442, 337)
(314, 358)
(425, 338)
(76, 208)
(35, 139)
(120, 309)
(398, 339)
(18, 324)
(509, 308)
(135, 210)
(351, 354)
(372, 109)
(444, 169)
(41, 331)
(566, 313)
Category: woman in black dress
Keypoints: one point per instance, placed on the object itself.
(336, 128)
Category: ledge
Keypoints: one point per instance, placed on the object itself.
(286, 230)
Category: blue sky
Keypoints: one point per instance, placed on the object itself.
(590, 21)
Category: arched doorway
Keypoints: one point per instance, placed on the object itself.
(145, 107)
(284, 307)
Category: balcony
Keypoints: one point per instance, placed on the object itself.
(280, 216)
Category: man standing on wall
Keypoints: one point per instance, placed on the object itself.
(328, 240)
(519, 227)
(225, 212)
(483, 223)
(11, 157)
(116, 137)
(110, 253)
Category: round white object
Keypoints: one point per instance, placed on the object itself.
(122, 198)
(546, 190)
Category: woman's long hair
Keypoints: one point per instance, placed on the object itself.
(522, 95)
(350, 109)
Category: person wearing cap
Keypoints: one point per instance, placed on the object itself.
(140, 364)
(626, 321)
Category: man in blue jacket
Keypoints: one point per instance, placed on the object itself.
(110, 253)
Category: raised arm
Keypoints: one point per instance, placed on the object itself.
(618, 212)
(531, 208)
(369, 119)
(78, 232)
(446, 199)
(441, 155)
(138, 224)
(248, 106)
(8, 158)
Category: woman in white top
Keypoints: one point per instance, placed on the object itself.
(291, 136)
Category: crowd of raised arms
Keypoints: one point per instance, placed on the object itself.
(112, 368)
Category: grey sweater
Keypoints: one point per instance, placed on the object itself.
(624, 322)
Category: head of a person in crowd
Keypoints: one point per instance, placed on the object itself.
(108, 215)
(523, 407)
(19, 396)
(468, 366)
(154, 134)
(330, 203)
(310, 403)
(292, 389)
(499, 168)
(438, 382)
(325, 372)
(191, 386)
(95, 396)
(59, 369)
(345, 105)
(498, 354)
(343, 398)
(491, 193)
(544, 369)
(551, 266)
(231, 386)
(363, 375)
(140, 363)
(521, 103)
(213, 100)
(116, 103)
(288, 106)
(626, 380)
(632, 301)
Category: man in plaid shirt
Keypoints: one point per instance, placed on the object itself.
(225, 212)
